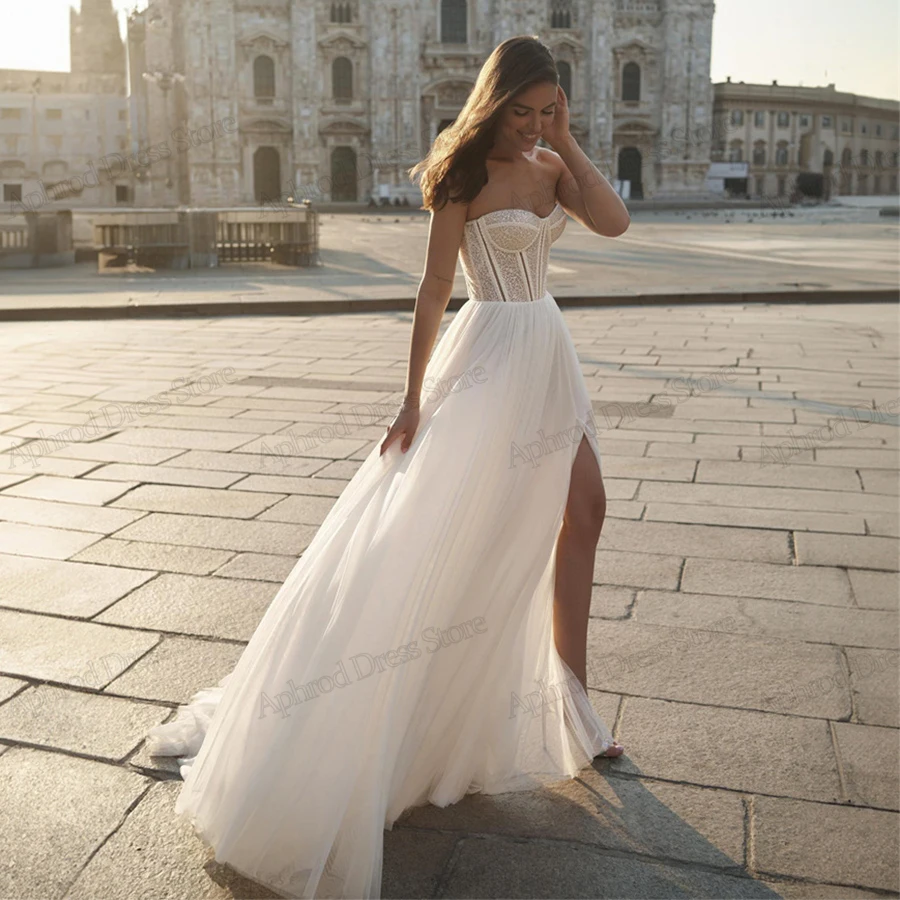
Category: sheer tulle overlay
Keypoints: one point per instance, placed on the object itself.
(408, 658)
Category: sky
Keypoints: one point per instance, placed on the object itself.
(808, 42)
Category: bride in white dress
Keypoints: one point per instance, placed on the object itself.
(431, 640)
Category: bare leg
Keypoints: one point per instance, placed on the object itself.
(578, 538)
(575, 548)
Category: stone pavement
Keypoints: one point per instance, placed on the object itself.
(374, 262)
(744, 639)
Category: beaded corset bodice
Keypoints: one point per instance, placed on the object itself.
(504, 253)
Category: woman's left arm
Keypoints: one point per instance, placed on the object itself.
(581, 188)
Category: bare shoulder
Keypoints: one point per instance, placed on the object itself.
(451, 214)
(551, 159)
(446, 230)
(545, 154)
(556, 170)
(445, 234)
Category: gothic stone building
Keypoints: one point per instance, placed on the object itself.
(243, 101)
(64, 135)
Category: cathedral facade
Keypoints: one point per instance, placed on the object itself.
(247, 101)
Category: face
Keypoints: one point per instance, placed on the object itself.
(525, 117)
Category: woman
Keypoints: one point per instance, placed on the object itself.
(431, 641)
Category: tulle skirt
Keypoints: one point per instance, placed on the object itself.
(408, 658)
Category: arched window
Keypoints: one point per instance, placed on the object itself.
(342, 79)
(263, 77)
(759, 153)
(879, 160)
(736, 152)
(565, 78)
(828, 159)
(454, 22)
(561, 14)
(781, 154)
(341, 13)
(631, 81)
(846, 157)
(864, 157)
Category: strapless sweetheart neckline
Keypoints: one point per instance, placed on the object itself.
(515, 209)
(505, 252)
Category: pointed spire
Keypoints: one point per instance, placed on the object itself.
(96, 44)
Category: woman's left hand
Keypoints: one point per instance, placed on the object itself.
(557, 132)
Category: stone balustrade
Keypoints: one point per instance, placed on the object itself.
(36, 239)
(201, 238)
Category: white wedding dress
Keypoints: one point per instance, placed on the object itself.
(409, 658)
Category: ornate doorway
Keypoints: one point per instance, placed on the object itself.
(343, 175)
(266, 175)
(630, 170)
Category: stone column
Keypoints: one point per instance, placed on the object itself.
(305, 71)
(601, 86)
(687, 95)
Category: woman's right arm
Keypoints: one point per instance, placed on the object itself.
(435, 288)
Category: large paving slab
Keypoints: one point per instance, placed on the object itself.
(843, 626)
(874, 676)
(827, 842)
(654, 818)
(196, 501)
(72, 516)
(871, 762)
(71, 589)
(878, 590)
(160, 557)
(58, 811)
(743, 633)
(848, 550)
(492, 866)
(826, 586)
(227, 608)
(684, 743)
(48, 543)
(154, 854)
(89, 724)
(69, 490)
(697, 540)
(176, 669)
(219, 533)
(709, 666)
(50, 648)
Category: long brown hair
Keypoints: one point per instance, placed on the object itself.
(455, 167)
